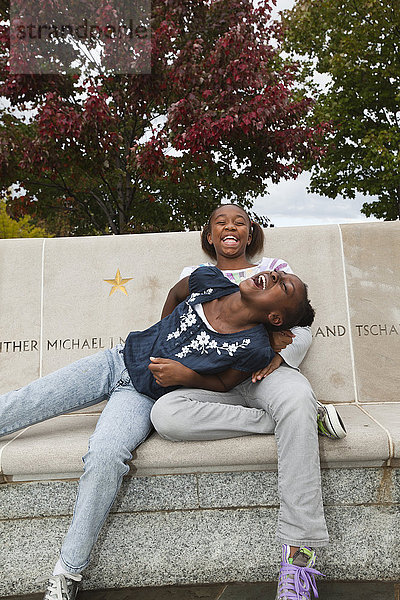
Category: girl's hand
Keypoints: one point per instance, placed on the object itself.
(261, 373)
(280, 339)
(168, 372)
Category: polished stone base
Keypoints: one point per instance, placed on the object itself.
(200, 529)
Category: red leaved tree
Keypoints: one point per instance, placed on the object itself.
(218, 116)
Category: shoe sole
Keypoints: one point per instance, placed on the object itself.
(333, 422)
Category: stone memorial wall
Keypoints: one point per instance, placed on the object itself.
(66, 298)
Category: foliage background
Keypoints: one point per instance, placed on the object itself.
(357, 44)
(220, 115)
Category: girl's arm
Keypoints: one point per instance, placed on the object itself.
(294, 353)
(290, 347)
(176, 295)
(169, 372)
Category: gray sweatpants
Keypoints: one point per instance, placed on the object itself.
(283, 403)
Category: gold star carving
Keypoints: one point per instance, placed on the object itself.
(118, 283)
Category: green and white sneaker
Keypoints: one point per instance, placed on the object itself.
(329, 422)
(297, 575)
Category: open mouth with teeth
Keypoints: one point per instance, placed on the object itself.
(230, 239)
(260, 281)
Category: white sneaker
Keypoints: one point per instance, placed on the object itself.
(329, 422)
(60, 587)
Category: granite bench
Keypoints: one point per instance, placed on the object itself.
(200, 512)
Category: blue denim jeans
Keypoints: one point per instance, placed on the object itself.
(122, 426)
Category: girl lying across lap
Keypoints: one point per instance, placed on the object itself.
(212, 341)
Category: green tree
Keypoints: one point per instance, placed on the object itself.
(357, 44)
(24, 228)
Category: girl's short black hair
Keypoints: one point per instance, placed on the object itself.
(257, 235)
(308, 315)
(302, 316)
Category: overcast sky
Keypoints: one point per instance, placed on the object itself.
(289, 204)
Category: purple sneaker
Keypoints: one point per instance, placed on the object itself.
(297, 575)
